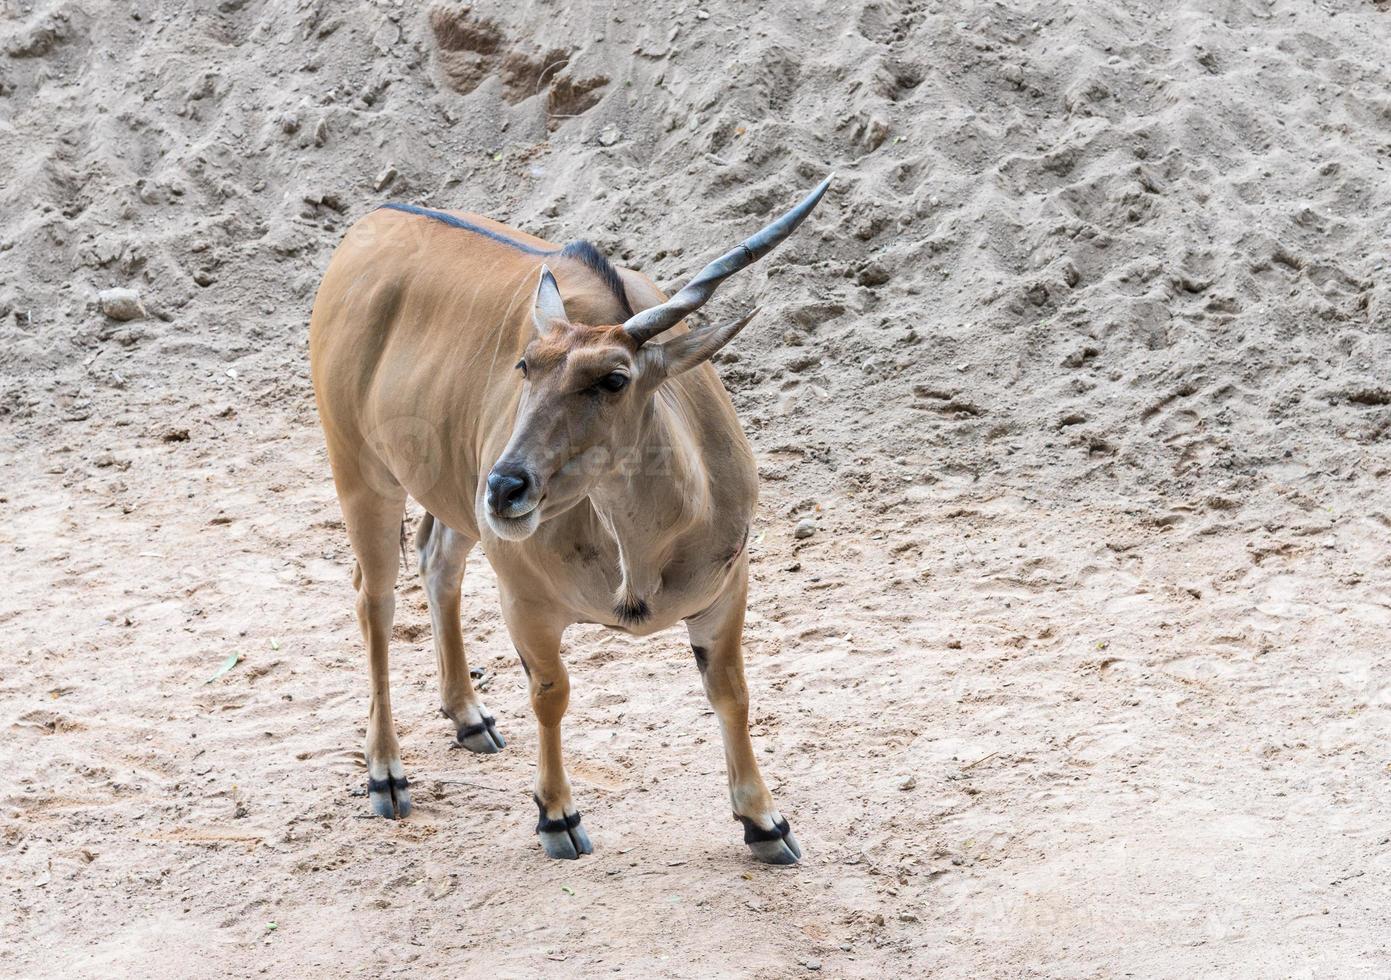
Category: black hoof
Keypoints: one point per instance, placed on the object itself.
(773, 846)
(390, 797)
(482, 737)
(562, 837)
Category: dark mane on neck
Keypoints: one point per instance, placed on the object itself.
(586, 252)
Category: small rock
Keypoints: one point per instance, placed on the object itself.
(149, 192)
(321, 132)
(873, 132)
(121, 304)
(907, 783)
(387, 37)
(174, 434)
(41, 38)
(289, 123)
(1080, 356)
(385, 178)
(805, 528)
(872, 274)
(609, 135)
(812, 965)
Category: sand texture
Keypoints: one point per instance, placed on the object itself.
(1082, 372)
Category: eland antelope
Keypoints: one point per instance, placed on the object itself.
(555, 408)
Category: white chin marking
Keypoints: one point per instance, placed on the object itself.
(517, 528)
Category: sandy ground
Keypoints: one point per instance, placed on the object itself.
(1081, 369)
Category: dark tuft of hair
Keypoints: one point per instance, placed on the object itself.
(586, 252)
(632, 613)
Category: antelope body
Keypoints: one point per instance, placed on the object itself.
(510, 387)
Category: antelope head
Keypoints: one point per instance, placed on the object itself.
(587, 390)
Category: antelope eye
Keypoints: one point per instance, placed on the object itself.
(521, 366)
(616, 381)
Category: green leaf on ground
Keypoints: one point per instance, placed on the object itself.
(232, 660)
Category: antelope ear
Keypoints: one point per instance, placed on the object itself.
(548, 307)
(688, 350)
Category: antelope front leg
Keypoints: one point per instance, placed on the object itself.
(538, 643)
(717, 640)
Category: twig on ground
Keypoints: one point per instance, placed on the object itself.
(984, 758)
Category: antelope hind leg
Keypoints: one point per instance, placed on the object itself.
(443, 555)
(374, 527)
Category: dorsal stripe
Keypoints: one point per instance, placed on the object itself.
(454, 222)
(580, 250)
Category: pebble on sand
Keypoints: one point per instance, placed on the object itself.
(805, 528)
(121, 304)
(873, 274)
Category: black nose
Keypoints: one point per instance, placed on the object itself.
(507, 488)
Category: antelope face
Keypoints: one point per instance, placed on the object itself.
(585, 392)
